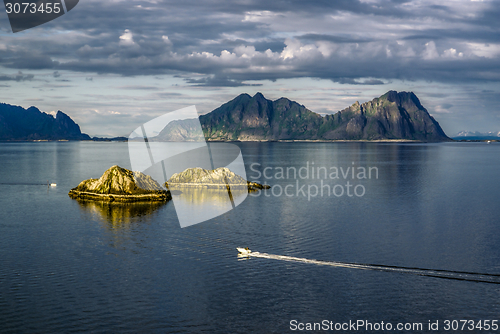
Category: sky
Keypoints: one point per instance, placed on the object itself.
(113, 65)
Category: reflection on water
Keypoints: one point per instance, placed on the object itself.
(199, 203)
(207, 196)
(191, 204)
(118, 215)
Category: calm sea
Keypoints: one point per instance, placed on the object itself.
(69, 267)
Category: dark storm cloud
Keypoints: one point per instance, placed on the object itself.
(216, 43)
(332, 38)
(471, 34)
(33, 62)
(217, 81)
(17, 77)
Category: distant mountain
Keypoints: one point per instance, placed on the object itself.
(476, 135)
(17, 123)
(392, 116)
(180, 130)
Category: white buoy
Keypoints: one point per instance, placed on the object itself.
(53, 185)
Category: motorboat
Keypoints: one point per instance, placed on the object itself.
(244, 251)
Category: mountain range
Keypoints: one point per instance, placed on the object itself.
(17, 123)
(476, 135)
(393, 116)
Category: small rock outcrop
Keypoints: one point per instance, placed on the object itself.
(220, 177)
(118, 184)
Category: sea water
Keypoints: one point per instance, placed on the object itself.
(69, 266)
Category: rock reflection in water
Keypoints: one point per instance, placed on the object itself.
(119, 215)
(199, 203)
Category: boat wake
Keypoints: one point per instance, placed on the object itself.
(437, 273)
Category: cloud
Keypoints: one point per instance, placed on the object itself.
(430, 51)
(139, 87)
(17, 77)
(214, 44)
(166, 40)
(216, 81)
(443, 108)
(486, 50)
(357, 82)
(127, 38)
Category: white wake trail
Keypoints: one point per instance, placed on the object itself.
(437, 273)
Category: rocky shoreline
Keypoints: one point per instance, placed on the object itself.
(251, 186)
(323, 141)
(84, 195)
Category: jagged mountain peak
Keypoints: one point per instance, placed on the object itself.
(402, 98)
(243, 96)
(61, 114)
(17, 123)
(394, 115)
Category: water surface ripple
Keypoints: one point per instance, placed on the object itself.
(70, 267)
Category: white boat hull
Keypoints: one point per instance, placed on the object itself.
(243, 251)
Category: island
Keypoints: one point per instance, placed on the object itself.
(118, 184)
(394, 116)
(212, 179)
